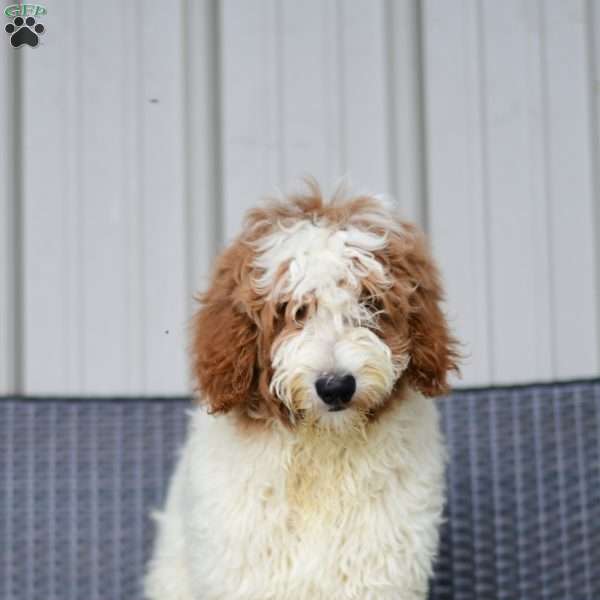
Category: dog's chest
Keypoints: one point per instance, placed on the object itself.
(283, 519)
(298, 539)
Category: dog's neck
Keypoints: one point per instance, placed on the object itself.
(326, 469)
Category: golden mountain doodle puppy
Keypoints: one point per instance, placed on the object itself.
(314, 465)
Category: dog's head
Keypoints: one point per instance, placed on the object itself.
(321, 311)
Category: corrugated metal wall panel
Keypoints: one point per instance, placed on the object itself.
(455, 167)
(406, 143)
(305, 91)
(141, 147)
(511, 200)
(10, 234)
(593, 46)
(105, 249)
(569, 138)
(202, 134)
(515, 191)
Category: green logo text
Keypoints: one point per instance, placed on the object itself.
(25, 10)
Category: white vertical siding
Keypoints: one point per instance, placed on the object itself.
(139, 148)
(406, 156)
(304, 92)
(10, 237)
(571, 196)
(509, 126)
(53, 359)
(202, 149)
(456, 209)
(514, 191)
(104, 250)
(593, 43)
(364, 93)
(251, 148)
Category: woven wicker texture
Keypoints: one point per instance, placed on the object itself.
(78, 479)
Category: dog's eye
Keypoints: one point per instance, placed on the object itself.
(301, 313)
(296, 313)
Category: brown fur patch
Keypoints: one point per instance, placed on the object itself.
(412, 307)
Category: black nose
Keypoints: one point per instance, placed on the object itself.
(336, 390)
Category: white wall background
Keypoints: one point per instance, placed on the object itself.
(135, 136)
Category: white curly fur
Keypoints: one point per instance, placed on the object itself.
(295, 516)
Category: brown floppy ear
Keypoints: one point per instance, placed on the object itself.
(433, 350)
(224, 337)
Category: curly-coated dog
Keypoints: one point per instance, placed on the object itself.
(313, 467)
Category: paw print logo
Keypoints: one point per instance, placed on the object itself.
(24, 31)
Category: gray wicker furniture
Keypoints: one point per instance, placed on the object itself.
(78, 479)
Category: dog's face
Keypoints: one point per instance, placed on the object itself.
(320, 313)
